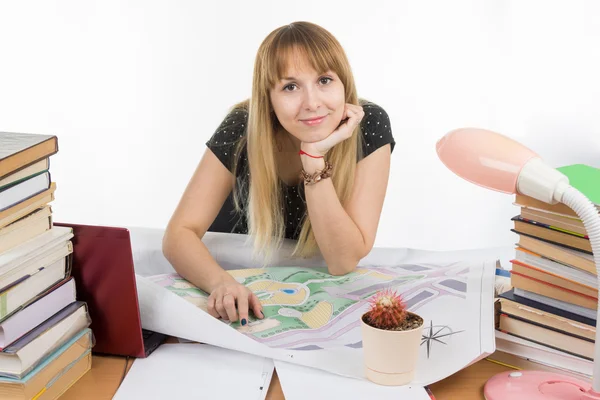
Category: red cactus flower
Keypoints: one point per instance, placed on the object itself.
(387, 310)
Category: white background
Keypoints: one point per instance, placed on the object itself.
(133, 89)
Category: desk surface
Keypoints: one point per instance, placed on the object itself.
(103, 380)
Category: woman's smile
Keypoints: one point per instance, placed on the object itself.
(314, 121)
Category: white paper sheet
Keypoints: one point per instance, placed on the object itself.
(461, 322)
(163, 311)
(300, 383)
(197, 371)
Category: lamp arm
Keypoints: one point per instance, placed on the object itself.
(588, 214)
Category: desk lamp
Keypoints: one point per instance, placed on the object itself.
(499, 163)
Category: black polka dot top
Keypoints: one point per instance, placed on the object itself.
(376, 131)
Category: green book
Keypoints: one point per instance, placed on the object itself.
(584, 178)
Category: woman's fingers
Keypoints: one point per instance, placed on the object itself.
(211, 307)
(353, 120)
(356, 110)
(220, 307)
(256, 306)
(242, 308)
(233, 302)
(229, 303)
(359, 113)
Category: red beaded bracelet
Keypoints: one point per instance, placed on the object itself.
(305, 153)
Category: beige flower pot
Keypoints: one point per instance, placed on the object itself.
(390, 356)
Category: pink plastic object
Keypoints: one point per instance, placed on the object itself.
(483, 157)
(537, 385)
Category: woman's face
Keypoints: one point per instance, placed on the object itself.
(308, 105)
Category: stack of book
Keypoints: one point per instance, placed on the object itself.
(45, 340)
(549, 315)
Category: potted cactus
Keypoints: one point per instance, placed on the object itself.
(391, 338)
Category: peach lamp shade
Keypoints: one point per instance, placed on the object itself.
(485, 158)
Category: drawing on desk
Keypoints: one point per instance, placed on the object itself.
(436, 333)
(312, 317)
(308, 309)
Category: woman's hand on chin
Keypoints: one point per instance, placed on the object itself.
(352, 116)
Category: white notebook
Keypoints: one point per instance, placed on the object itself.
(190, 371)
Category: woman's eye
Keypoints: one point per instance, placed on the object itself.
(289, 87)
(325, 80)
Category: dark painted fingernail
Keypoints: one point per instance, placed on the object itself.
(243, 321)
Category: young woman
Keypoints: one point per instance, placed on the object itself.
(305, 159)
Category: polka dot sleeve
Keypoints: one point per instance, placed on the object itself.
(376, 129)
(224, 141)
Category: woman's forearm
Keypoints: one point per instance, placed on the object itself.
(339, 238)
(191, 259)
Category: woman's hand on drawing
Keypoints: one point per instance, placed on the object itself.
(232, 301)
(352, 116)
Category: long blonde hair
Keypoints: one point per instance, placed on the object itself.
(264, 213)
